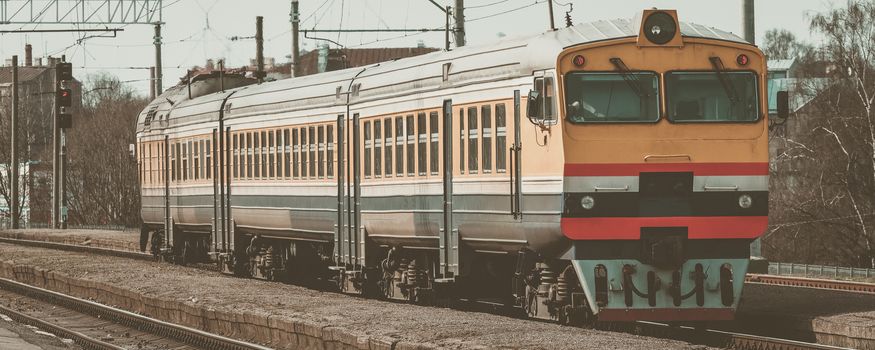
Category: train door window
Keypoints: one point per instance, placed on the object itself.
(321, 136)
(236, 155)
(330, 140)
(387, 128)
(312, 148)
(304, 152)
(296, 150)
(411, 146)
(549, 98)
(368, 146)
(378, 148)
(191, 158)
(399, 146)
(473, 162)
(179, 168)
(287, 150)
(500, 138)
(422, 150)
(209, 163)
(486, 142)
(433, 142)
(271, 154)
(149, 163)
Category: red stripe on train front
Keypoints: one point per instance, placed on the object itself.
(634, 169)
(698, 227)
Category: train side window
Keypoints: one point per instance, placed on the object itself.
(199, 160)
(433, 142)
(304, 152)
(296, 150)
(422, 150)
(321, 136)
(399, 146)
(387, 128)
(473, 162)
(179, 169)
(271, 154)
(287, 160)
(256, 155)
(411, 146)
(191, 153)
(500, 138)
(330, 158)
(248, 155)
(209, 162)
(236, 155)
(263, 144)
(486, 131)
(368, 146)
(462, 139)
(185, 161)
(378, 148)
(312, 138)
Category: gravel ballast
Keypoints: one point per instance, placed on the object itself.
(338, 319)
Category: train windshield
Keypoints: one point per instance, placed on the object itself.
(712, 97)
(612, 97)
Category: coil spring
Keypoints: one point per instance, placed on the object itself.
(548, 278)
(415, 276)
(561, 289)
(399, 273)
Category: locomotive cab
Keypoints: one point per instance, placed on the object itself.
(666, 168)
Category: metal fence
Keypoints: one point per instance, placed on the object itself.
(819, 271)
(82, 227)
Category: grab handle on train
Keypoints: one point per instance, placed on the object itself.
(650, 157)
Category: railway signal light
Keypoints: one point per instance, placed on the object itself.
(64, 97)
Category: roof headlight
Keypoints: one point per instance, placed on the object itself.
(659, 28)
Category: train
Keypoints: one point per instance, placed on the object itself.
(608, 171)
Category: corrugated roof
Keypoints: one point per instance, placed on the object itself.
(25, 74)
(360, 56)
(776, 65)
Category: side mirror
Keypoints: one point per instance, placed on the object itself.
(783, 104)
(533, 110)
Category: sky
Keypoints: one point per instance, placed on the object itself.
(197, 30)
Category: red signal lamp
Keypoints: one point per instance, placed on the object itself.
(578, 60)
(742, 60)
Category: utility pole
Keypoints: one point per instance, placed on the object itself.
(296, 51)
(447, 29)
(14, 161)
(259, 49)
(56, 151)
(747, 15)
(550, 8)
(159, 87)
(460, 23)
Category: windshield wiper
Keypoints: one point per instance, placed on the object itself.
(632, 80)
(721, 75)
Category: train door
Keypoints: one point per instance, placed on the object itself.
(349, 239)
(449, 234)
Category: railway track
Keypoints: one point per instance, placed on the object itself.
(794, 281)
(717, 338)
(195, 338)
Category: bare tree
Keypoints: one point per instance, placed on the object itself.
(824, 207)
(102, 179)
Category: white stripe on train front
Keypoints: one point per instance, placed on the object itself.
(700, 183)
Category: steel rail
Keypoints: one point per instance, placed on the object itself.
(818, 283)
(80, 339)
(728, 340)
(184, 334)
(78, 248)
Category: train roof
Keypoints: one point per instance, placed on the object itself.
(505, 59)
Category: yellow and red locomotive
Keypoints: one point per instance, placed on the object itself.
(614, 170)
